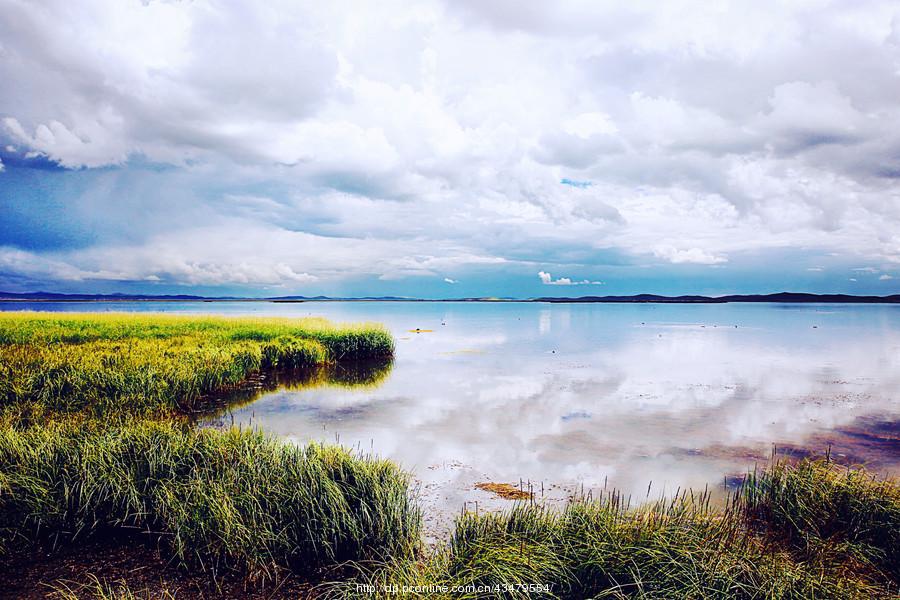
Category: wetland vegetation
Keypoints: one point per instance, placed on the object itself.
(808, 530)
(97, 442)
(218, 500)
(112, 365)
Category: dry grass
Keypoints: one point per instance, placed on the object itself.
(506, 491)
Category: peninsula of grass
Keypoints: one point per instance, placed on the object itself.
(106, 365)
(94, 446)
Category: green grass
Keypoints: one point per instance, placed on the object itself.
(826, 512)
(215, 499)
(154, 364)
(681, 549)
(93, 443)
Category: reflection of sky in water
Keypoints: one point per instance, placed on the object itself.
(571, 394)
(568, 394)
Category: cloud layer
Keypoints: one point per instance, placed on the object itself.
(345, 146)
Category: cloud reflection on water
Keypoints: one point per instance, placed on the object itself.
(591, 394)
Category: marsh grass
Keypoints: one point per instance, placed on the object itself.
(828, 513)
(94, 444)
(215, 500)
(682, 548)
(98, 589)
(156, 364)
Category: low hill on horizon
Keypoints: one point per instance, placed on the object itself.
(780, 297)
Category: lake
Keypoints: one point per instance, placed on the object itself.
(572, 398)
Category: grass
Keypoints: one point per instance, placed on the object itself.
(97, 589)
(93, 445)
(679, 549)
(240, 501)
(824, 511)
(154, 364)
(216, 500)
(505, 490)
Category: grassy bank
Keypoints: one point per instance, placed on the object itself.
(94, 447)
(805, 531)
(828, 514)
(240, 502)
(154, 364)
(216, 500)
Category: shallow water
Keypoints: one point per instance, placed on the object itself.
(572, 396)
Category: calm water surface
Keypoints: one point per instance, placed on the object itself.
(572, 396)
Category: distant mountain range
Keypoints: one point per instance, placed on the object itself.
(788, 297)
(779, 297)
(52, 297)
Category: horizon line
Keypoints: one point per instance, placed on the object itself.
(812, 297)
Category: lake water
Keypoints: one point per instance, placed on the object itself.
(578, 396)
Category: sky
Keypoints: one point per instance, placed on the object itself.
(449, 149)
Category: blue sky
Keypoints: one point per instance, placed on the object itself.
(452, 149)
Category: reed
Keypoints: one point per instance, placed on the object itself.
(215, 500)
(826, 512)
(681, 548)
(98, 589)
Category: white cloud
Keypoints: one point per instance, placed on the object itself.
(807, 114)
(688, 255)
(816, 269)
(92, 146)
(448, 280)
(589, 124)
(886, 277)
(438, 137)
(547, 279)
(233, 252)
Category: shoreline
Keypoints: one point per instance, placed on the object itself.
(134, 562)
